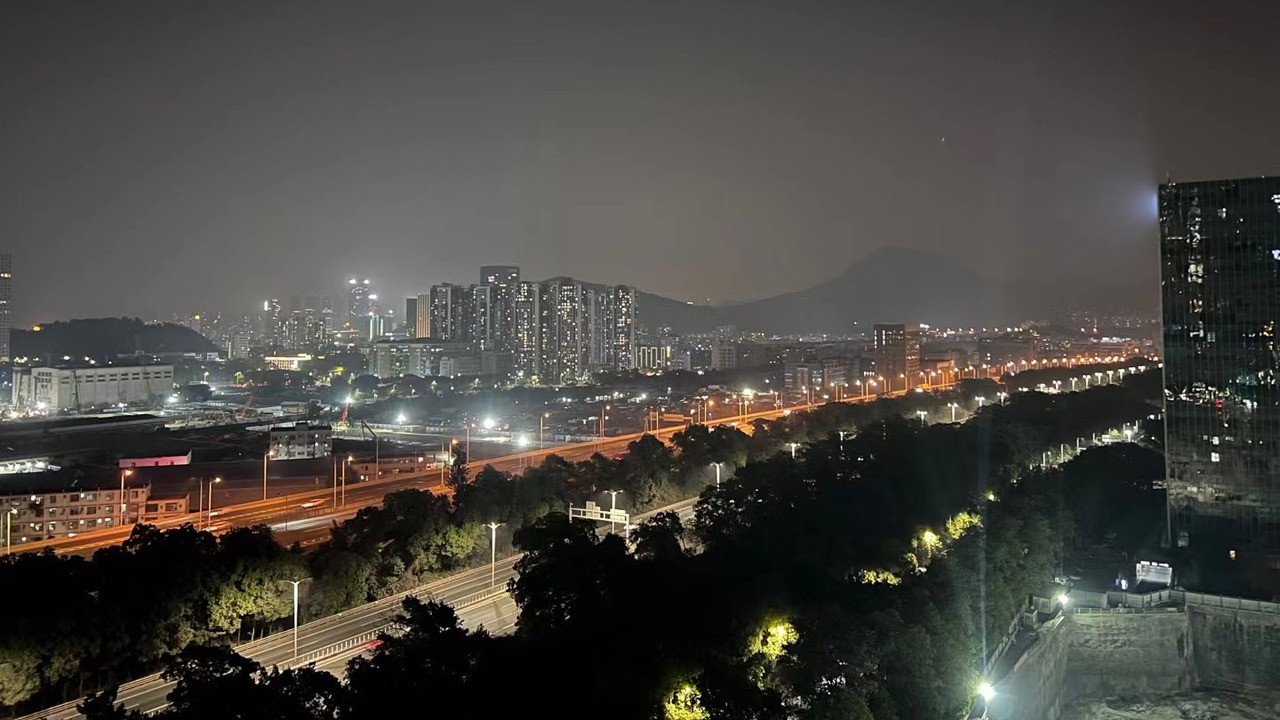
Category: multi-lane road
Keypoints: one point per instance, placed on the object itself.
(307, 517)
(479, 596)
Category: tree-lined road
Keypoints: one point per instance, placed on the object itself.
(329, 642)
(312, 514)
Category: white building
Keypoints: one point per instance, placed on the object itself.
(301, 440)
(75, 388)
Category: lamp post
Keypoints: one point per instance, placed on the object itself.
(493, 552)
(295, 584)
(981, 400)
(541, 429)
(953, 406)
(922, 415)
(209, 518)
(613, 505)
(717, 465)
(793, 446)
(8, 528)
(123, 503)
(342, 498)
(265, 457)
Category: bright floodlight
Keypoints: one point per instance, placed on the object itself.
(1062, 599)
(400, 418)
(523, 441)
(986, 691)
(488, 423)
(347, 401)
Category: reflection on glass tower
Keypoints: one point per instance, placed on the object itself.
(1220, 287)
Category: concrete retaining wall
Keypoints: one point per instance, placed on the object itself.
(1126, 653)
(1234, 648)
(1036, 686)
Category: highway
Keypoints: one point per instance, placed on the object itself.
(306, 517)
(330, 642)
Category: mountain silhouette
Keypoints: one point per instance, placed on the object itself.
(106, 338)
(892, 285)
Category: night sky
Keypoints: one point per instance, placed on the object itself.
(168, 157)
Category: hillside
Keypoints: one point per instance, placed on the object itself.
(897, 285)
(103, 338)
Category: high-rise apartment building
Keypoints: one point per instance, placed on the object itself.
(451, 318)
(897, 353)
(502, 281)
(1220, 292)
(360, 301)
(6, 307)
(483, 310)
(421, 320)
(411, 316)
(527, 330)
(623, 330)
(562, 351)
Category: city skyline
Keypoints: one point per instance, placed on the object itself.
(603, 145)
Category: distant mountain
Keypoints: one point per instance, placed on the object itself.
(106, 338)
(897, 284)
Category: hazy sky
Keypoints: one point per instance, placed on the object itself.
(172, 156)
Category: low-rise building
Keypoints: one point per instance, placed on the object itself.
(49, 508)
(86, 386)
(294, 441)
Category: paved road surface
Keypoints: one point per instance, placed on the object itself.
(279, 511)
(330, 642)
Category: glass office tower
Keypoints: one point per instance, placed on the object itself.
(1220, 288)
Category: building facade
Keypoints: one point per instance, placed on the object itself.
(56, 510)
(1220, 292)
(527, 331)
(295, 441)
(77, 388)
(6, 307)
(450, 317)
(411, 317)
(419, 356)
(360, 301)
(897, 355)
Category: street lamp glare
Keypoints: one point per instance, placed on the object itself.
(986, 691)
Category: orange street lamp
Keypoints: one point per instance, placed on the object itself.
(123, 503)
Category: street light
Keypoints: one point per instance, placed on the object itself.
(717, 465)
(209, 519)
(295, 584)
(493, 552)
(613, 505)
(8, 528)
(953, 406)
(123, 504)
(793, 445)
(922, 415)
(266, 456)
(541, 428)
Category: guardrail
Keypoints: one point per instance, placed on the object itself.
(367, 637)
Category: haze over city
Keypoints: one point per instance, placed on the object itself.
(722, 151)
(639, 360)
